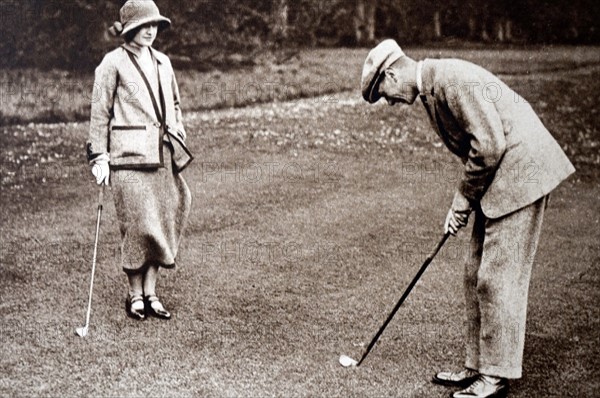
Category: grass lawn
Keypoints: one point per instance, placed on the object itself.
(29, 95)
(310, 217)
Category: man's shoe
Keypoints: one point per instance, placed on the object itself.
(461, 379)
(484, 387)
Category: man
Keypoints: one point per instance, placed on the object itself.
(511, 164)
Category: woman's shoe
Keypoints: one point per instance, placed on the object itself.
(155, 308)
(134, 305)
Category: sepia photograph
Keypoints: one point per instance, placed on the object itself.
(300, 198)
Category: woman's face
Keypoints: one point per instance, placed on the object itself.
(146, 35)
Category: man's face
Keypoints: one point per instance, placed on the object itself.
(395, 91)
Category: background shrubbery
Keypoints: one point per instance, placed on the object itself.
(72, 34)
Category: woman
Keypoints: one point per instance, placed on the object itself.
(136, 133)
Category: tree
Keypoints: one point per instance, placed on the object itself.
(228, 33)
(364, 21)
(279, 25)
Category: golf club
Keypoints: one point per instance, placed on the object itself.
(82, 331)
(345, 360)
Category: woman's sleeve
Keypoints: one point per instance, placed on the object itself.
(105, 86)
(177, 104)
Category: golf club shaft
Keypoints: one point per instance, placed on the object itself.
(404, 296)
(100, 200)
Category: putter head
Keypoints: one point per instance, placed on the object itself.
(82, 331)
(347, 362)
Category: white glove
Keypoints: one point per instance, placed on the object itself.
(101, 169)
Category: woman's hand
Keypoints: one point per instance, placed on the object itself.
(101, 169)
(181, 134)
(177, 132)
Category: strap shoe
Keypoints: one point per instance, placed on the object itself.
(155, 308)
(134, 306)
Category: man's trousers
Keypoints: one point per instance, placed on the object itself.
(496, 283)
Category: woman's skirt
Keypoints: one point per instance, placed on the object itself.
(152, 208)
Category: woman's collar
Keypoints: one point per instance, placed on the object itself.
(135, 50)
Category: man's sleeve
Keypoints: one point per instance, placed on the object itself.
(473, 107)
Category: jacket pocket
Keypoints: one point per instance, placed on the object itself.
(135, 147)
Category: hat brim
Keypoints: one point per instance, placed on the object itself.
(163, 23)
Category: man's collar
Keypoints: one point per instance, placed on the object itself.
(420, 77)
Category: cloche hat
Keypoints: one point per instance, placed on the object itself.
(136, 13)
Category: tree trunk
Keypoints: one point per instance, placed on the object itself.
(364, 21)
(279, 30)
(508, 27)
(370, 21)
(500, 31)
(359, 21)
(437, 24)
(472, 27)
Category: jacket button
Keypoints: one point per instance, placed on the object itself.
(157, 125)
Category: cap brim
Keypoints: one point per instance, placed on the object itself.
(371, 92)
(163, 23)
(374, 95)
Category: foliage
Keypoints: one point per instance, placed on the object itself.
(228, 33)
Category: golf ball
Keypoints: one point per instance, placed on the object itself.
(346, 361)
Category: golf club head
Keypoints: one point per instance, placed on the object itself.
(82, 331)
(347, 362)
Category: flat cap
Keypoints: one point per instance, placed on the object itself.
(379, 59)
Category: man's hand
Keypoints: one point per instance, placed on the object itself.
(458, 215)
(454, 222)
(101, 169)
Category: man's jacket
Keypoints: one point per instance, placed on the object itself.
(510, 158)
